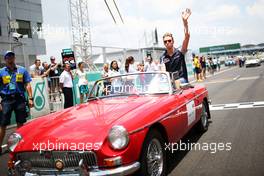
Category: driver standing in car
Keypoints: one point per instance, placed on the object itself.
(172, 58)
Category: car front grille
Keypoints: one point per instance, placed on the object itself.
(47, 159)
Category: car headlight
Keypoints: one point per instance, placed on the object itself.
(13, 140)
(118, 137)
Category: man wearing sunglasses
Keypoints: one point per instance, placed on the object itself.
(173, 59)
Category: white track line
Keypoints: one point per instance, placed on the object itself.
(232, 106)
(248, 78)
(236, 78)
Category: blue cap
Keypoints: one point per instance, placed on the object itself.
(9, 53)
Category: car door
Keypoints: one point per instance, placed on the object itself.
(198, 101)
(190, 113)
(180, 116)
(175, 117)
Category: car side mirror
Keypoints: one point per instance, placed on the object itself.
(186, 86)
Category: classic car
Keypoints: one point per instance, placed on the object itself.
(121, 130)
(252, 61)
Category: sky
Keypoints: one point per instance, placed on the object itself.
(211, 23)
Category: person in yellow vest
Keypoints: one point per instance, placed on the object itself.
(14, 82)
(197, 67)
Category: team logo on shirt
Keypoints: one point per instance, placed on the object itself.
(165, 60)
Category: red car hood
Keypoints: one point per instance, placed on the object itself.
(86, 123)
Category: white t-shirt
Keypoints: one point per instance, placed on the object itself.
(131, 68)
(116, 81)
(215, 61)
(34, 70)
(82, 78)
(114, 73)
(66, 79)
(151, 67)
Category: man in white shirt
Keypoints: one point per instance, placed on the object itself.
(35, 69)
(66, 85)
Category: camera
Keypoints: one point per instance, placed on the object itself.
(17, 35)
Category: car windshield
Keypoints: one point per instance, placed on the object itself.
(132, 84)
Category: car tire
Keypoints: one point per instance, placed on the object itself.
(153, 139)
(203, 123)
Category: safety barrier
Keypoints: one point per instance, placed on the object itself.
(41, 100)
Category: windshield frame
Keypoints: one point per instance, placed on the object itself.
(170, 92)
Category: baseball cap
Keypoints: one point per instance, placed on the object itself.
(52, 58)
(9, 53)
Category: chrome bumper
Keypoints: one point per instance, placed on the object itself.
(122, 170)
(119, 171)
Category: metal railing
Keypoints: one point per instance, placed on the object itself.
(55, 96)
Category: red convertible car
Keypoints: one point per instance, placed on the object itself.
(123, 129)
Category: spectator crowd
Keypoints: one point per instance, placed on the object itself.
(203, 65)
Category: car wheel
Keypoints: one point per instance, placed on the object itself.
(203, 123)
(153, 155)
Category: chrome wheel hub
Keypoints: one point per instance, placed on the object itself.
(155, 158)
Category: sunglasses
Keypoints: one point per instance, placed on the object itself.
(167, 41)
